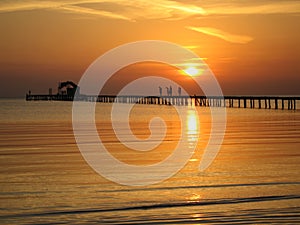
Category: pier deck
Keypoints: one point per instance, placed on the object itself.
(258, 102)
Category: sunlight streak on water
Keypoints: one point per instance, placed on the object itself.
(192, 126)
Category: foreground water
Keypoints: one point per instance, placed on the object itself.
(45, 180)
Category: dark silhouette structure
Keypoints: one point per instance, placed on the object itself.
(160, 90)
(179, 91)
(168, 92)
(70, 87)
(67, 90)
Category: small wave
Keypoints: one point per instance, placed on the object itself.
(203, 186)
(162, 205)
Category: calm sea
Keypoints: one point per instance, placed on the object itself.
(44, 179)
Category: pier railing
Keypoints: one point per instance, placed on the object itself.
(258, 102)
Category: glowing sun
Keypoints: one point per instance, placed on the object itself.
(192, 71)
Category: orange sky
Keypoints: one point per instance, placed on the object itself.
(253, 47)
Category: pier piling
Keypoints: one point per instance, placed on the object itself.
(270, 102)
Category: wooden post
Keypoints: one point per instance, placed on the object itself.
(266, 103)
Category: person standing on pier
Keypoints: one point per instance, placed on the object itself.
(179, 91)
(160, 90)
(170, 90)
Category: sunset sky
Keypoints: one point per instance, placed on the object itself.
(253, 47)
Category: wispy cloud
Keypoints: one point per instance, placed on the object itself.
(256, 7)
(159, 9)
(132, 10)
(153, 9)
(68, 6)
(14, 6)
(89, 11)
(233, 38)
(191, 46)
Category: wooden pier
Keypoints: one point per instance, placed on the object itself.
(257, 102)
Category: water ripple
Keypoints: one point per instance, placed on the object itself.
(161, 206)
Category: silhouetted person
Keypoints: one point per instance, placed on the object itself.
(179, 91)
(170, 90)
(160, 90)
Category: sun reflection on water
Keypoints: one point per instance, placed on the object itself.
(194, 197)
(192, 126)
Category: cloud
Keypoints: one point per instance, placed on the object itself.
(89, 11)
(159, 9)
(68, 6)
(154, 9)
(14, 6)
(233, 38)
(191, 46)
(260, 7)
